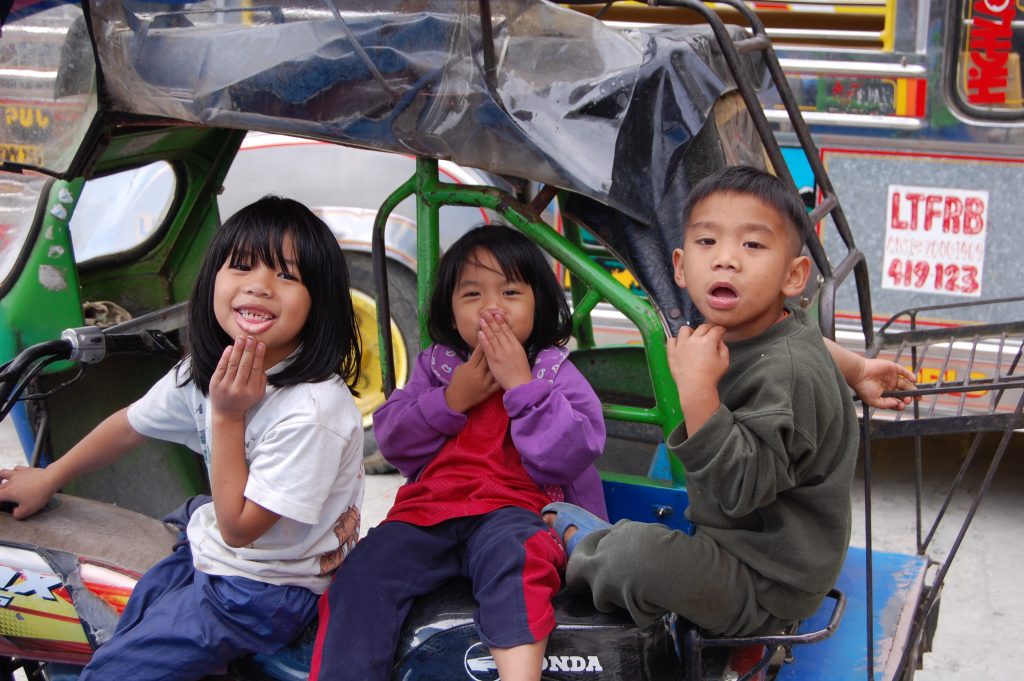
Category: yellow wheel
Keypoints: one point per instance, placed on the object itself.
(404, 335)
(371, 381)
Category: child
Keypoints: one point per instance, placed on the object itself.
(493, 424)
(285, 461)
(768, 442)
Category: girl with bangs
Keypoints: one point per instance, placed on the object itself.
(494, 423)
(265, 396)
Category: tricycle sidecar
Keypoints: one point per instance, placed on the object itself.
(616, 124)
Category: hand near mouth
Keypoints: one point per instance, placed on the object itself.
(698, 358)
(471, 383)
(505, 354)
(238, 383)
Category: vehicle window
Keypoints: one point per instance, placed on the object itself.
(118, 212)
(19, 199)
(988, 44)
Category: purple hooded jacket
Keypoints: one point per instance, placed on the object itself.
(556, 423)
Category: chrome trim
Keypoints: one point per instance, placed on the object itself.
(814, 34)
(849, 120)
(821, 67)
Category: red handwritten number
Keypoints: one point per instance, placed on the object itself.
(952, 275)
(895, 271)
(921, 268)
(949, 277)
(970, 283)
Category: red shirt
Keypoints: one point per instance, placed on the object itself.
(476, 472)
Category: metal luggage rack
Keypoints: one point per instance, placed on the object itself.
(969, 381)
(969, 377)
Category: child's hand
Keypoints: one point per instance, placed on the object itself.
(471, 384)
(506, 356)
(238, 383)
(698, 358)
(27, 487)
(881, 375)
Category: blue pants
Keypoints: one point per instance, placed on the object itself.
(181, 624)
(510, 555)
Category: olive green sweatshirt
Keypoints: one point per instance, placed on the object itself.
(769, 475)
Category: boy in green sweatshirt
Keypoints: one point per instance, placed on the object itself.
(769, 439)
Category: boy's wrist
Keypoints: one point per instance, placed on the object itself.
(696, 389)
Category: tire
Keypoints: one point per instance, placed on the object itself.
(405, 335)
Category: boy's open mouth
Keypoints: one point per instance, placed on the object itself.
(722, 295)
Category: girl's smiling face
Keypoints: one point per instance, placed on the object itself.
(270, 304)
(483, 286)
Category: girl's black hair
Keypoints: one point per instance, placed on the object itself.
(520, 260)
(330, 344)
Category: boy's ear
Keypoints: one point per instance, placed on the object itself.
(796, 276)
(677, 268)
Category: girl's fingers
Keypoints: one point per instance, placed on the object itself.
(250, 361)
(484, 345)
(476, 358)
(504, 331)
(221, 370)
(245, 362)
(257, 359)
(235, 358)
(488, 335)
(494, 326)
(241, 362)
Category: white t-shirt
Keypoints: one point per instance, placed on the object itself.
(304, 448)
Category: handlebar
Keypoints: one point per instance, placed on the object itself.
(85, 345)
(89, 344)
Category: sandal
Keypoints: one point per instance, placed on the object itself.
(569, 515)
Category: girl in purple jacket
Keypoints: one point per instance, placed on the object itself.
(494, 424)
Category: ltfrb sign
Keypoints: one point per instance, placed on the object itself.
(935, 240)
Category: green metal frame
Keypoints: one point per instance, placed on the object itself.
(589, 283)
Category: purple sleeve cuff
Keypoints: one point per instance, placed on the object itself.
(525, 396)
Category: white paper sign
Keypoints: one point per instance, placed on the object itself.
(935, 240)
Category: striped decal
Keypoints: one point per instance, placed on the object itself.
(911, 97)
(33, 612)
(50, 646)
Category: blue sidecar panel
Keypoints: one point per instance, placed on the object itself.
(898, 584)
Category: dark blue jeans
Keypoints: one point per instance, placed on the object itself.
(181, 624)
(510, 555)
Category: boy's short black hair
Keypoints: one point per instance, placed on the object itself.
(760, 184)
(330, 343)
(520, 260)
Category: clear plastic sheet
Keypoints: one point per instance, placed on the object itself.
(555, 97)
(47, 85)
